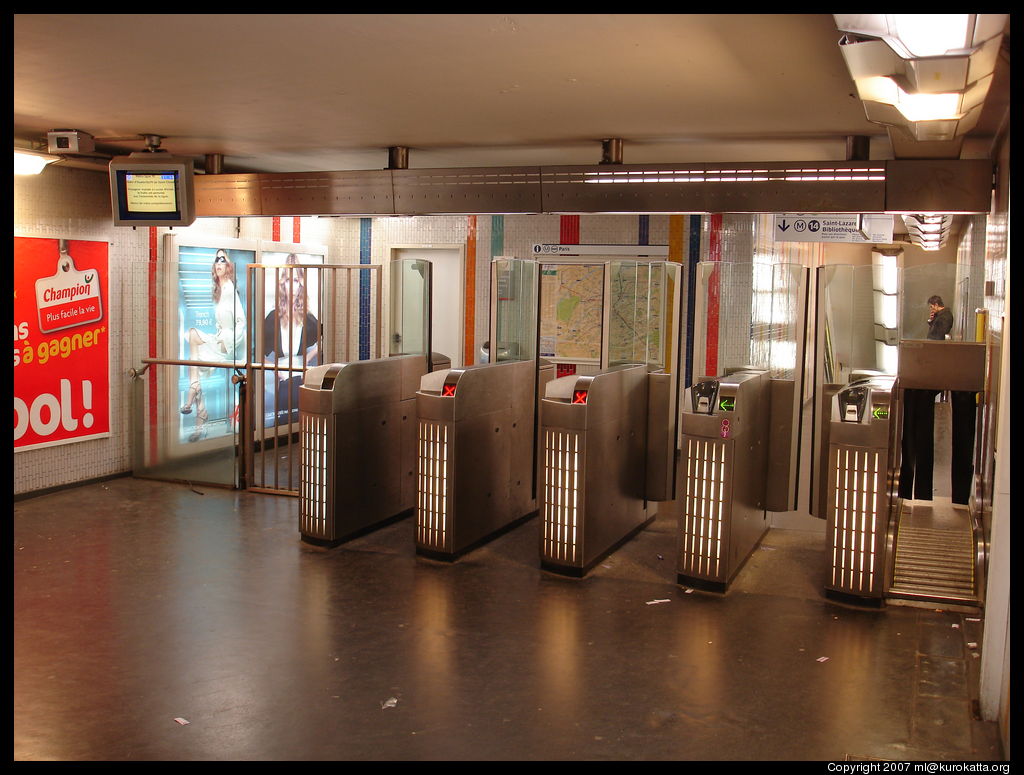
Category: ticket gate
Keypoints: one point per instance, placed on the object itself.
(476, 451)
(724, 468)
(358, 445)
(607, 450)
(880, 547)
(863, 443)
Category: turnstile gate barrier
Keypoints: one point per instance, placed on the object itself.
(725, 423)
(476, 452)
(860, 497)
(604, 440)
(358, 444)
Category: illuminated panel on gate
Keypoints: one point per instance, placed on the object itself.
(432, 485)
(855, 506)
(448, 389)
(704, 508)
(562, 475)
(579, 396)
(313, 494)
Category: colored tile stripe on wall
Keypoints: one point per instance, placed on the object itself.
(469, 326)
(714, 254)
(693, 257)
(497, 249)
(569, 230)
(365, 231)
(643, 230)
(497, 235)
(676, 231)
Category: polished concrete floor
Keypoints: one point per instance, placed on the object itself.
(141, 605)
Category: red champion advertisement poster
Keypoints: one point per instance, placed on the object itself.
(61, 343)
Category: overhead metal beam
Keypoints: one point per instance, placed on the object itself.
(954, 185)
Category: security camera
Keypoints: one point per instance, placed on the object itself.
(70, 141)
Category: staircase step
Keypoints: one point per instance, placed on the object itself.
(934, 564)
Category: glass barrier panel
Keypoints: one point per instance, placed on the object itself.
(673, 336)
(856, 323)
(921, 283)
(410, 306)
(186, 424)
(641, 313)
(723, 307)
(572, 316)
(514, 284)
(748, 314)
(787, 320)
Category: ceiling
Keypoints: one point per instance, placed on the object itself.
(317, 92)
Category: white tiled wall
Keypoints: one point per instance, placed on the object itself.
(66, 203)
(71, 203)
(63, 203)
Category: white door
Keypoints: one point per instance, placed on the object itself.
(447, 298)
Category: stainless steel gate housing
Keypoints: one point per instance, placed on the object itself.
(594, 438)
(724, 469)
(358, 445)
(861, 503)
(476, 447)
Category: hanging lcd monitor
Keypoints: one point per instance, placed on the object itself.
(152, 189)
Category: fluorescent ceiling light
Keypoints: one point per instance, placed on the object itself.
(929, 73)
(28, 162)
(928, 107)
(929, 231)
(932, 34)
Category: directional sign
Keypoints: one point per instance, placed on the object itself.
(825, 227)
(600, 250)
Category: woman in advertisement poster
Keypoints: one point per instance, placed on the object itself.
(225, 345)
(291, 335)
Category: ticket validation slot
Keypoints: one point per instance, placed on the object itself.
(724, 466)
(860, 501)
(476, 451)
(601, 463)
(358, 445)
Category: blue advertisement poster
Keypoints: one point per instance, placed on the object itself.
(211, 314)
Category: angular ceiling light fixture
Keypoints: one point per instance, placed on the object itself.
(29, 162)
(926, 72)
(928, 231)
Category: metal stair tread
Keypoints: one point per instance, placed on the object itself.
(955, 561)
(932, 541)
(931, 591)
(953, 566)
(912, 583)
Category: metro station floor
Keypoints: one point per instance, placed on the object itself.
(142, 605)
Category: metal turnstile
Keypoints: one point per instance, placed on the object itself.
(477, 469)
(358, 445)
(724, 468)
(863, 443)
(607, 449)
